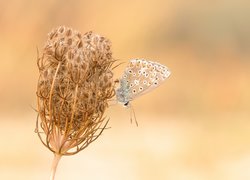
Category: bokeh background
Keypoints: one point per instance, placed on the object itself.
(196, 126)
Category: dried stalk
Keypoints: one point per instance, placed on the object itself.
(74, 86)
(56, 160)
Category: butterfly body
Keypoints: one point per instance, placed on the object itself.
(123, 93)
(140, 77)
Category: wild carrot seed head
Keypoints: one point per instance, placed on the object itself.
(73, 89)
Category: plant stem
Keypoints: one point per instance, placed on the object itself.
(56, 159)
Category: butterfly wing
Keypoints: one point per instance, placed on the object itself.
(143, 76)
(157, 75)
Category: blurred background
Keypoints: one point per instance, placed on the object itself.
(196, 126)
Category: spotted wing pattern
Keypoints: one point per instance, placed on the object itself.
(140, 77)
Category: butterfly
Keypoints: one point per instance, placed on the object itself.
(140, 77)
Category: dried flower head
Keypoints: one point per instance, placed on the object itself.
(73, 89)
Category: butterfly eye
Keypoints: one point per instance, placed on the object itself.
(139, 72)
(130, 71)
(141, 88)
(143, 72)
(134, 91)
(146, 75)
(124, 76)
(131, 84)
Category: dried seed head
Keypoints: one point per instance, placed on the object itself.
(74, 86)
(97, 49)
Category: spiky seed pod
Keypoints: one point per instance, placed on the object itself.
(73, 89)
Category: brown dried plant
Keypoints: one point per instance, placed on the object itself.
(73, 90)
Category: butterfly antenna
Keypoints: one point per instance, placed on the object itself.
(117, 65)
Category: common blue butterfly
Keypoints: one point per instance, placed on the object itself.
(140, 77)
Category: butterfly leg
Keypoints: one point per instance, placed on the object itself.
(132, 114)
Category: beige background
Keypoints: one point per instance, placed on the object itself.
(196, 126)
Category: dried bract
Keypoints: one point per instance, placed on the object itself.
(73, 89)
